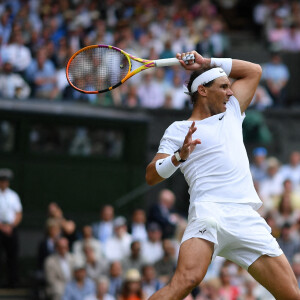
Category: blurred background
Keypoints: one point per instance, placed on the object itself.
(72, 166)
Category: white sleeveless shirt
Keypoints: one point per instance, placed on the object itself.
(218, 169)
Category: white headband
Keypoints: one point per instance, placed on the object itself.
(206, 77)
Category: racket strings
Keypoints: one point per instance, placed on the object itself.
(98, 68)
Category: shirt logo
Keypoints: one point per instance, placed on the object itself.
(202, 231)
(221, 118)
(161, 162)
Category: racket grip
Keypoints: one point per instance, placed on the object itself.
(167, 62)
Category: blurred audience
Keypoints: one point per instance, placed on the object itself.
(115, 278)
(87, 240)
(275, 77)
(80, 286)
(10, 219)
(117, 247)
(134, 260)
(152, 250)
(103, 230)
(58, 269)
(162, 213)
(47, 245)
(138, 228)
(12, 85)
(132, 286)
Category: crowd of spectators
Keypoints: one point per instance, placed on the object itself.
(38, 37)
(278, 24)
(118, 258)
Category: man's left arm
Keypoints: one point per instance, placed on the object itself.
(246, 74)
(18, 219)
(247, 77)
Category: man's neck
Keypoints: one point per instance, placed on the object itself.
(200, 112)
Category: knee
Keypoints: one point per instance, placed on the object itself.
(189, 280)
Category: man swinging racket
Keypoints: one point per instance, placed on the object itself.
(209, 150)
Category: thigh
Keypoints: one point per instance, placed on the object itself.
(276, 275)
(194, 258)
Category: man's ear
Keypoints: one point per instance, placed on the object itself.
(202, 90)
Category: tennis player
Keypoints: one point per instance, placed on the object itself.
(209, 150)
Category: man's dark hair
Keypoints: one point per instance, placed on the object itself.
(195, 74)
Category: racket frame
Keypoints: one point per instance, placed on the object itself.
(146, 64)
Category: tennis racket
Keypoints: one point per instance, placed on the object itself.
(101, 68)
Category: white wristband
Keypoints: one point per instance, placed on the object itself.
(224, 63)
(165, 167)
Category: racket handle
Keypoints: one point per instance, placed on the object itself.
(167, 62)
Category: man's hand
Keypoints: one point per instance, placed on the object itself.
(189, 144)
(6, 229)
(193, 64)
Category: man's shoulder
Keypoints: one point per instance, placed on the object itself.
(12, 193)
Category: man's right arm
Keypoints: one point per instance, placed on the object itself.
(152, 177)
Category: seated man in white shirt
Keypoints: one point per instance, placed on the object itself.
(118, 246)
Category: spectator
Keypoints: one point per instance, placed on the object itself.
(132, 286)
(12, 85)
(150, 283)
(272, 186)
(210, 289)
(218, 39)
(104, 229)
(276, 75)
(80, 287)
(87, 239)
(205, 46)
(115, 278)
(102, 285)
(10, 218)
(118, 246)
(138, 226)
(95, 266)
(165, 267)
(162, 213)
(292, 169)
(17, 53)
(227, 290)
(47, 245)
(179, 99)
(58, 269)
(42, 74)
(261, 99)
(258, 167)
(291, 40)
(150, 92)
(285, 212)
(152, 250)
(289, 246)
(131, 98)
(134, 260)
(68, 227)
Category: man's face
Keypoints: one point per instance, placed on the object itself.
(79, 274)
(218, 95)
(62, 246)
(4, 184)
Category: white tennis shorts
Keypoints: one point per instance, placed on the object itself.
(239, 233)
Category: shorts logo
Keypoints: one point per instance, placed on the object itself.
(202, 231)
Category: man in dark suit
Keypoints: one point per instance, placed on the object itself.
(162, 213)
